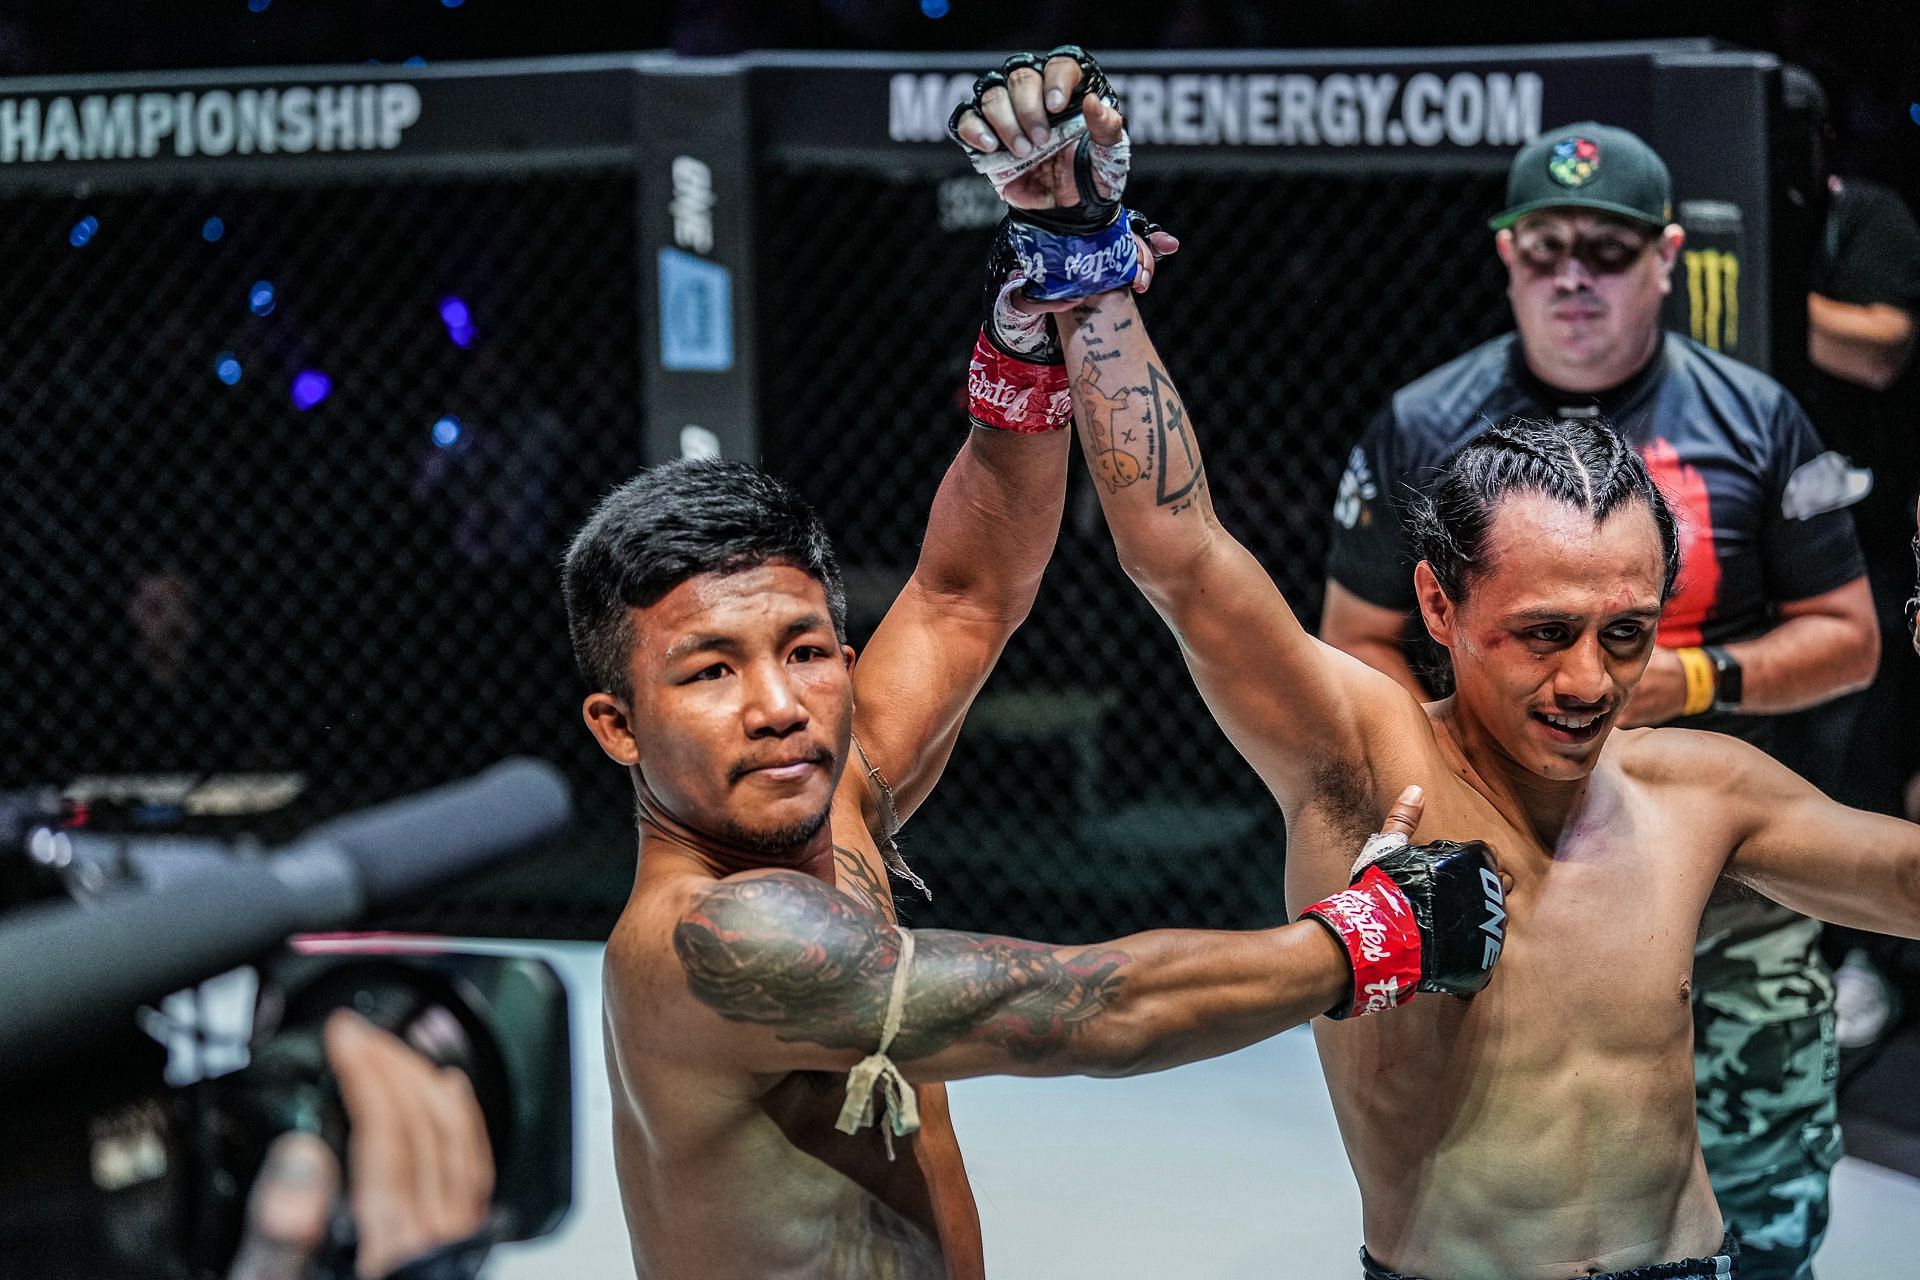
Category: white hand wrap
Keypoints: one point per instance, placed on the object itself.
(1377, 847)
(1002, 166)
(1022, 333)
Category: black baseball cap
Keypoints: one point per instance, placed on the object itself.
(1589, 166)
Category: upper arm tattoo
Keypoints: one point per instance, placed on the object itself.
(856, 874)
(792, 954)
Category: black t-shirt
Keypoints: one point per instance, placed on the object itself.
(1870, 255)
(1761, 521)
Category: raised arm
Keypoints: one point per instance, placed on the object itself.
(1807, 852)
(995, 519)
(989, 536)
(1290, 704)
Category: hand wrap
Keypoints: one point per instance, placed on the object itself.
(1428, 917)
(1068, 251)
(1017, 379)
(1060, 266)
(1009, 393)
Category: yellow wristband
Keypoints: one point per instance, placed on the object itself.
(1700, 679)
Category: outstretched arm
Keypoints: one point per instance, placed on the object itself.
(778, 972)
(1814, 855)
(989, 536)
(806, 974)
(1291, 704)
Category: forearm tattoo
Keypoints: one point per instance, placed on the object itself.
(1133, 433)
(793, 954)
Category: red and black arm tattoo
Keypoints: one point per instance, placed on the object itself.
(805, 960)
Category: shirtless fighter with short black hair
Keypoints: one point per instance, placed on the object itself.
(760, 1002)
(1545, 1130)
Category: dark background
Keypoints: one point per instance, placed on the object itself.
(205, 579)
(1865, 52)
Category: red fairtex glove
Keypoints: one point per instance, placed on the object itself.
(1011, 394)
(1421, 917)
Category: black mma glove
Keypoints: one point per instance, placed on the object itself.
(1068, 251)
(1416, 917)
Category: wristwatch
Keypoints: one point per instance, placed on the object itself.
(1726, 677)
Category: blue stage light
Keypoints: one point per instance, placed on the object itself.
(415, 61)
(454, 313)
(212, 229)
(446, 432)
(83, 231)
(226, 368)
(310, 387)
(260, 298)
(258, 6)
(934, 8)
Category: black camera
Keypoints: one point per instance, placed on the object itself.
(121, 1155)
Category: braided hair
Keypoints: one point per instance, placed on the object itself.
(1582, 462)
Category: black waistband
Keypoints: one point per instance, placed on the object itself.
(1724, 1265)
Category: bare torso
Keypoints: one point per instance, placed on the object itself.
(1546, 1128)
(727, 1172)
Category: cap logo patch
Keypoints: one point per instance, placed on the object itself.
(1574, 162)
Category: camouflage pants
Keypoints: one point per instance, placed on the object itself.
(1765, 1065)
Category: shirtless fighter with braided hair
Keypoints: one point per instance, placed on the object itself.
(1546, 1129)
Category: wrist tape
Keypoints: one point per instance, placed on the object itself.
(1024, 335)
(1062, 265)
(1010, 394)
(1374, 923)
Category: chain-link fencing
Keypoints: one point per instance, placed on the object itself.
(287, 471)
(290, 445)
(1091, 792)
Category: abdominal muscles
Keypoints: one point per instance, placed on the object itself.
(1548, 1121)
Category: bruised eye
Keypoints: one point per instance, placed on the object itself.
(1554, 634)
(1627, 633)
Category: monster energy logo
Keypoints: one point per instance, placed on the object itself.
(1713, 297)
